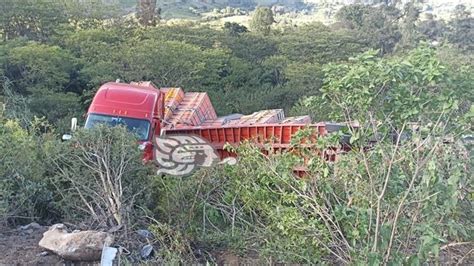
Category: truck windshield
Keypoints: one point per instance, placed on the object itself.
(138, 126)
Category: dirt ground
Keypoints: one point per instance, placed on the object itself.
(20, 247)
(457, 254)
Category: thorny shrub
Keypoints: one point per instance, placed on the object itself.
(24, 194)
(401, 194)
(101, 178)
(395, 203)
(97, 179)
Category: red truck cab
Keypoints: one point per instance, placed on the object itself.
(137, 106)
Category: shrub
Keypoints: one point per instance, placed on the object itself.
(25, 194)
(393, 203)
(97, 179)
(101, 177)
(398, 196)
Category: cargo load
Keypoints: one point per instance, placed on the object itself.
(261, 117)
(192, 110)
(304, 119)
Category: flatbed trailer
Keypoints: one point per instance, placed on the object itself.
(278, 136)
(155, 112)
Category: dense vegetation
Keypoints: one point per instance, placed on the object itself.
(401, 195)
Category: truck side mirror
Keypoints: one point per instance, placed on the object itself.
(73, 124)
(67, 137)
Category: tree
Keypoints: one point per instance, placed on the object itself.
(316, 43)
(16, 106)
(352, 16)
(45, 76)
(377, 26)
(41, 19)
(462, 33)
(262, 20)
(98, 53)
(91, 13)
(38, 66)
(461, 12)
(413, 86)
(251, 47)
(235, 28)
(172, 64)
(432, 29)
(409, 30)
(146, 12)
(34, 19)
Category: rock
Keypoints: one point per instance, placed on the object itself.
(146, 251)
(144, 233)
(30, 226)
(42, 254)
(80, 246)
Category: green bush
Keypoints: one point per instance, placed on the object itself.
(100, 177)
(393, 203)
(25, 193)
(397, 196)
(97, 178)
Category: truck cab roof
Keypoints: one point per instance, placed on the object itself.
(130, 100)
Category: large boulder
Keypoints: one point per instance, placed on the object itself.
(79, 246)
